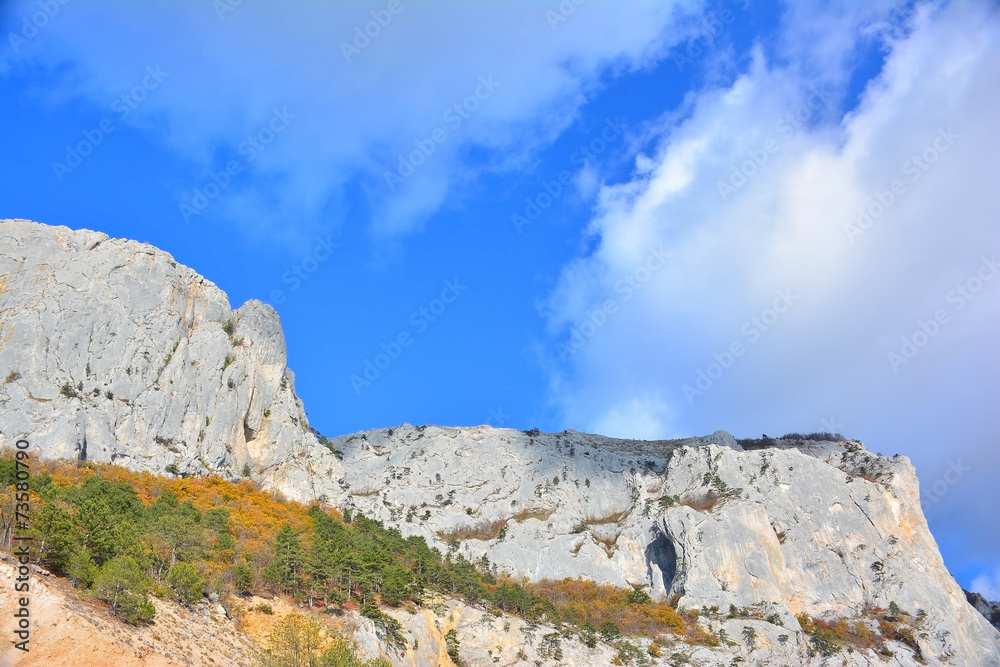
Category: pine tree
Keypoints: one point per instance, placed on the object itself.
(186, 582)
(287, 570)
(121, 583)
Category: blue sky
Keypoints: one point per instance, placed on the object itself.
(644, 219)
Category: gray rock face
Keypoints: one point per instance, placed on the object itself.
(112, 351)
(826, 529)
(989, 610)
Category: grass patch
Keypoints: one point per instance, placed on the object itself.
(600, 521)
(485, 530)
(533, 513)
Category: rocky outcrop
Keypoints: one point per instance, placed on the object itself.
(825, 529)
(112, 351)
(989, 610)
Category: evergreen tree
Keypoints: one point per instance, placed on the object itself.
(121, 583)
(287, 570)
(186, 582)
(243, 579)
(55, 535)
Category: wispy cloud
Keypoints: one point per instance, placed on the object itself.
(358, 117)
(757, 191)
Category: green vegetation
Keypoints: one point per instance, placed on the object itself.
(828, 637)
(299, 641)
(122, 535)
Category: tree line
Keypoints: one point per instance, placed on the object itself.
(124, 535)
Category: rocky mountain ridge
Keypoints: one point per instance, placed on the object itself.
(111, 351)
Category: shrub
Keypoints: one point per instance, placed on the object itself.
(484, 530)
(186, 582)
(609, 631)
(533, 513)
(451, 642)
(299, 640)
(229, 327)
(121, 583)
(13, 376)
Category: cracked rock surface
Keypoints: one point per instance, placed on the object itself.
(112, 351)
(828, 529)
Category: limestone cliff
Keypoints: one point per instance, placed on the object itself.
(112, 351)
(827, 529)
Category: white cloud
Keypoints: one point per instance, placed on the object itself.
(644, 418)
(763, 261)
(354, 119)
(988, 585)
